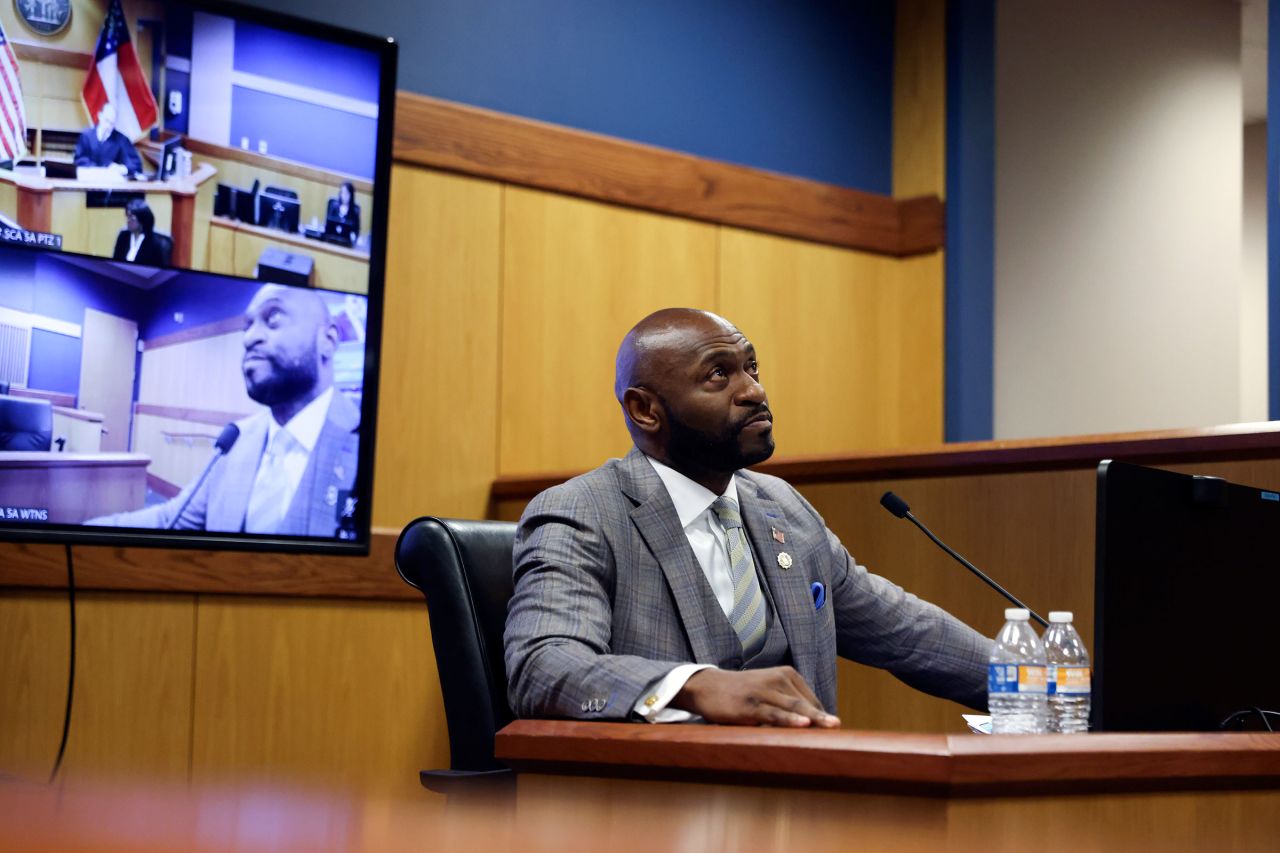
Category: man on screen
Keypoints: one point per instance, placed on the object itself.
(291, 467)
(673, 584)
(103, 145)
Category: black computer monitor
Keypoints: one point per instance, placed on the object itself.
(1185, 594)
(181, 439)
(236, 203)
(244, 204)
(168, 166)
(279, 209)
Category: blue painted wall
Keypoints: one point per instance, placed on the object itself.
(55, 362)
(297, 130)
(970, 239)
(304, 61)
(802, 88)
(201, 298)
(41, 284)
(305, 132)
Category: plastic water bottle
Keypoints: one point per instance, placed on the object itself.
(1069, 682)
(1017, 681)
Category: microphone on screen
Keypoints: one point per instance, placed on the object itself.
(221, 446)
(900, 509)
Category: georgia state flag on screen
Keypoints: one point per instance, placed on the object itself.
(116, 76)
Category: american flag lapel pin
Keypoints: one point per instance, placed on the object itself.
(779, 536)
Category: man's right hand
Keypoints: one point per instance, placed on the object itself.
(777, 696)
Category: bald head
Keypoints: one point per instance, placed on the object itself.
(303, 302)
(648, 350)
(289, 342)
(690, 390)
(107, 117)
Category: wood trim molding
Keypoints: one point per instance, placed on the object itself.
(276, 164)
(57, 398)
(211, 417)
(473, 141)
(220, 572)
(52, 55)
(936, 765)
(1235, 441)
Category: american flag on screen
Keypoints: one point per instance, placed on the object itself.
(13, 115)
(116, 77)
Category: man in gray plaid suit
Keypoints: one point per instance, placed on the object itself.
(673, 584)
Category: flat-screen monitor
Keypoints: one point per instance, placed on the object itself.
(194, 405)
(1185, 595)
(279, 209)
(168, 159)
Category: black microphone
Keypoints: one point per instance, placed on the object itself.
(899, 508)
(225, 440)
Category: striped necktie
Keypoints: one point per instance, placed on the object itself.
(749, 611)
(271, 487)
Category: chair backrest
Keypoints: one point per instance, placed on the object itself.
(463, 569)
(25, 423)
(165, 243)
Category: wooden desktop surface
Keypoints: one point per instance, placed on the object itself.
(186, 185)
(923, 764)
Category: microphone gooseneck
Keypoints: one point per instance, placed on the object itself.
(899, 508)
(224, 442)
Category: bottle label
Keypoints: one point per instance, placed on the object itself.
(1017, 678)
(1069, 680)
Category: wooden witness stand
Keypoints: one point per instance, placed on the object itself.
(815, 790)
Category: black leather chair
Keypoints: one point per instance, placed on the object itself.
(165, 243)
(25, 423)
(463, 569)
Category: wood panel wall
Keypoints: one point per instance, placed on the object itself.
(505, 303)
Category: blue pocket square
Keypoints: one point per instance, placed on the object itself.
(819, 594)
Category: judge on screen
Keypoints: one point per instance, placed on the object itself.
(286, 470)
(103, 145)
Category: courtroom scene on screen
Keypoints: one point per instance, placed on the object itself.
(136, 397)
(152, 133)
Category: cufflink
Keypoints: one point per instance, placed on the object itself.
(651, 701)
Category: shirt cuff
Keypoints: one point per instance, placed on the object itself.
(652, 706)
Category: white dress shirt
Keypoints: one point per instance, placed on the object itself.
(303, 432)
(135, 243)
(711, 547)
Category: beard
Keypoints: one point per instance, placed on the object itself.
(723, 451)
(288, 379)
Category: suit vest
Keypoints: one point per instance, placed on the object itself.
(774, 652)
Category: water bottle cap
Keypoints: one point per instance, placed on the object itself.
(1016, 614)
(1060, 617)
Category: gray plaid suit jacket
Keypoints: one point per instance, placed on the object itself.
(609, 598)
